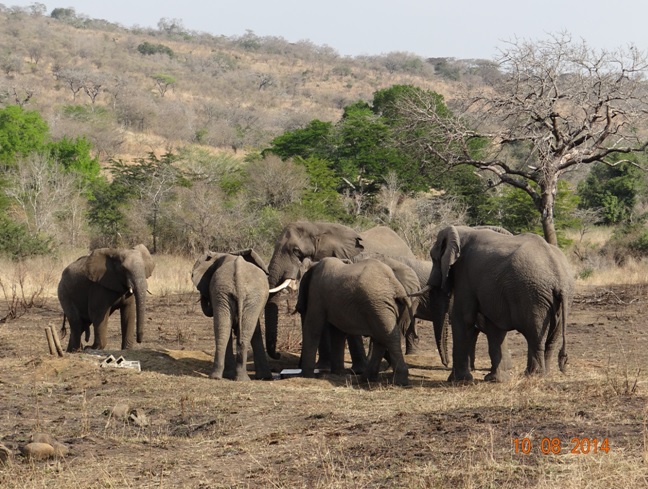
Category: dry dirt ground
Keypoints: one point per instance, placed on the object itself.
(194, 432)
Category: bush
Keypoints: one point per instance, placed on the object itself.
(16, 241)
(148, 49)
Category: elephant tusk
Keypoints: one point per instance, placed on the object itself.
(285, 284)
(149, 292)
(421, 292)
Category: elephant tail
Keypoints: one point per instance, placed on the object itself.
(63, 328)
(562, 354)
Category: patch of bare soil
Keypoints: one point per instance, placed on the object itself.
(171, 426)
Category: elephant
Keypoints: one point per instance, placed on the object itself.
(360, 299)
(233, 290)
(94, 286)
(501, 283)
(313, 241)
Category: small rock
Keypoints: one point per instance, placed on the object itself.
(37, 451)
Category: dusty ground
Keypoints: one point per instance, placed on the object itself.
(195, 432)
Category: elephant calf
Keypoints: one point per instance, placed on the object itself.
(233, 290)
(363, 299)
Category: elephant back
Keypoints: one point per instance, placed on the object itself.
(382, 239)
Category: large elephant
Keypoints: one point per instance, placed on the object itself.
(316, 240)
(360, 299)
(233, 290)
(502, 283)
(94, 286)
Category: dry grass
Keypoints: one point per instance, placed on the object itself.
(329, 432)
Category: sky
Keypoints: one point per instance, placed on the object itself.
(462, 29)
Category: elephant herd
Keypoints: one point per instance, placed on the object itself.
(351, 285)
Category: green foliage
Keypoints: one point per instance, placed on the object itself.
(613, 189)
(514, 210)
(147, 48)
(106, 209)
(21, 132)
(17, 242)
(311, 140)
(321, 199)
(74, 155)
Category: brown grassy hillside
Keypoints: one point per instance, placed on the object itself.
(87, 77)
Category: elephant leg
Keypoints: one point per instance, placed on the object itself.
(376, 353)
(463, 337)
(324, 350)
(358, 354)
(100, 323)
(401, 371)
(224, 362)
(412, 339)
(535, 355)
(261, 366)
(128, 318)
(338, 342)
(497, 350)
(313, 328)
(242, 344)
(77, 327)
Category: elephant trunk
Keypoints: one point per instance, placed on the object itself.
(440, 301)
(271, 322)
(139, 290)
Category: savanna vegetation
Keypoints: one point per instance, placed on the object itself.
(184, 141)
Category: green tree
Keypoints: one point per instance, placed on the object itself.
(75, 155)
(21, 132)
(312, 140)
(613, 188)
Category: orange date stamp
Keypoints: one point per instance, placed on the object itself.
(577, 446)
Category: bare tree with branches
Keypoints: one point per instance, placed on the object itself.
(559, 104)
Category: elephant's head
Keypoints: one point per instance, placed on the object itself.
(123, 271)
(312, 240)
(444, 254)
(206, 266)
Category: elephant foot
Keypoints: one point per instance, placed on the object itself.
(358, 369)
(265, 375)
(322, 366)
(497, 377)
(309, 373)
(242, 378)
(460, 377)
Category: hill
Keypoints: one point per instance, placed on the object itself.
(134, 90)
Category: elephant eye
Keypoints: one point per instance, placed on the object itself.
(298, 253)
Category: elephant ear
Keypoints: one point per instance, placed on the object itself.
(203, 270)
(251, 256)
(104, 266)
(338, 241)
(446, 250)
(149, 264)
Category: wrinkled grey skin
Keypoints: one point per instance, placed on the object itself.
(233, 290)
(502, 283)
(96, 285)
(314, 241)
(361, 299)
